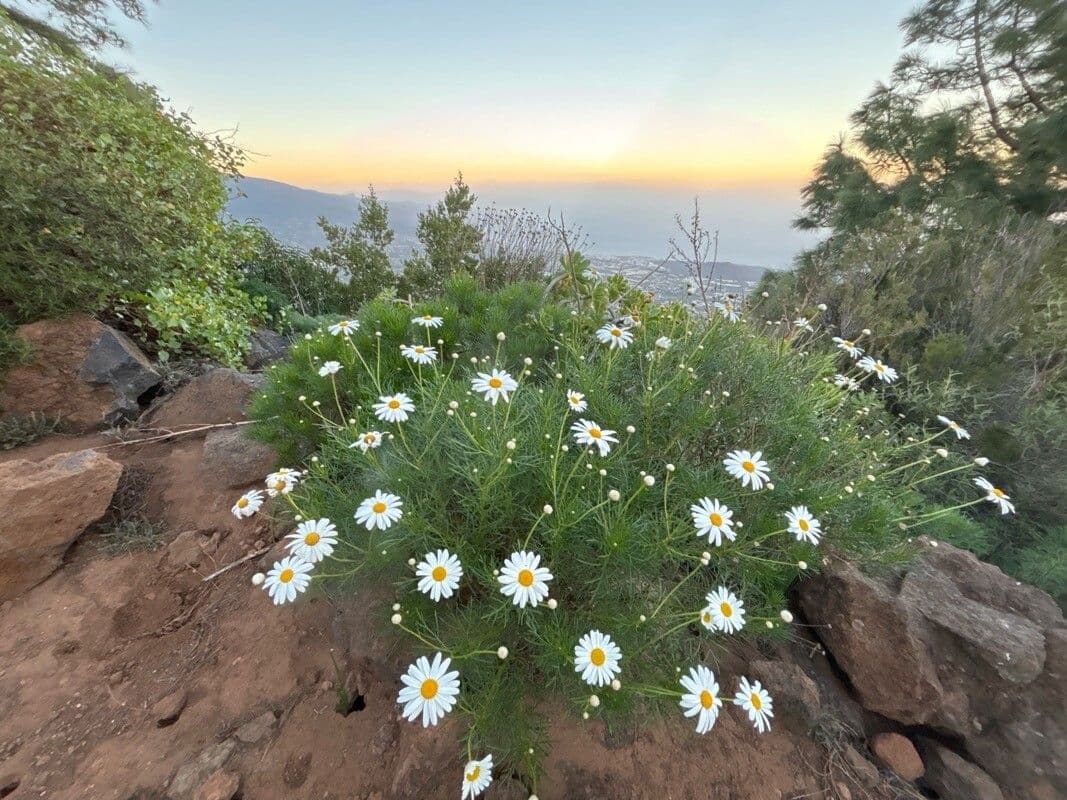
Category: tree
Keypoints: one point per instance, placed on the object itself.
(449, 240)
(359, 253)
(87, 23)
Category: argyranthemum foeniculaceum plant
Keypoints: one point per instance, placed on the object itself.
(588, 527)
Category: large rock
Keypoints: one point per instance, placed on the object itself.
(955, 645)
(83, 372)
(220, 395)
(953, 777)
(46, 505)
(898, 754)
(264, 348)
(232, 458)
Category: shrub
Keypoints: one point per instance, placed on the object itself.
(618, 527)
(359, 254)
(107, 198)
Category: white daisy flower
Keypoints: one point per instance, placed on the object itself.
(597, 658)
(494, 386)
(845, 382)
(345, 327)
(523, 579)
(368, 440)
(440, 573)
(754, 699)
(749, 468)
(429, 690)
(714, 520)
(576, 401)
(707, 619)
(286, 579)
(393, 408)
(664, 343)
(419, 353)
(380, 511)
(701, 698)
(995, 495)
(247, 504)
(803, 525)
(848, 346)
(428, 321)
(590, 434)
(477, 776)
(329, 368)
(282, 481)
(313, 540)
(616, 336)
(955, 427)
(885, 373)
(802, 323)
(727, 610)
(728, 310)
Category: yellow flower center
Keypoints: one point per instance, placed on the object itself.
(285, 575)
(707, 699)
(756, 702)
(726, 609)
(378, 507)
(439, 573)
(495, 382)
(597, 657)
(312, 538)
(472, 776)
(343, 323)
(525, 578)
(616, 332)
(748, 466)
(847, 342)
(394, 404)
(420, 350)
(879, 366)
(368, 438)
(428, 689)
(242, 502)
(803, 524)
(715, 519)
(706, 616)
(279, 485)
(595, 433)
(427, 317)
(997, 492)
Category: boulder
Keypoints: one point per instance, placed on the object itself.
(898, 754)
(793, 691)
(220, 785)
(219, 395)
(232, 458)
(264, 348)
(954, 644)
(953, 777)
(46, 506)
(83, 372)
(167, 709)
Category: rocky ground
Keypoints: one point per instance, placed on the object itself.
(163, 673)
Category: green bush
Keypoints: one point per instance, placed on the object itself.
(107, 198)
(487, 480)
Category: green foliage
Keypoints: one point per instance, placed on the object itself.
(291, 281)
(109, 201)
(938, 243)
(477, 478)
(17, 430)
(358, 254)
(449, 241)
(287, 423)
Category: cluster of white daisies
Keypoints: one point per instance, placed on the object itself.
(429, 687)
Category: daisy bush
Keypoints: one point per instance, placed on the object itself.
(578, 508)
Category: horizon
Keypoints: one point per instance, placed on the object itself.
(548, 106)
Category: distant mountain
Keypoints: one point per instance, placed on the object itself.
(726, 271)
(292, 213)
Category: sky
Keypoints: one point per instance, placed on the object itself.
(617, 113)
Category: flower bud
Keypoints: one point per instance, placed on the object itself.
(258, 578)
(981, 461)
(396, 619)
(502, 652)
(552, 603)
(547, 509)
(786, 615)
(500, 336)
(649, 480)
(594, 700)
(614, 495)
(616, 684)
